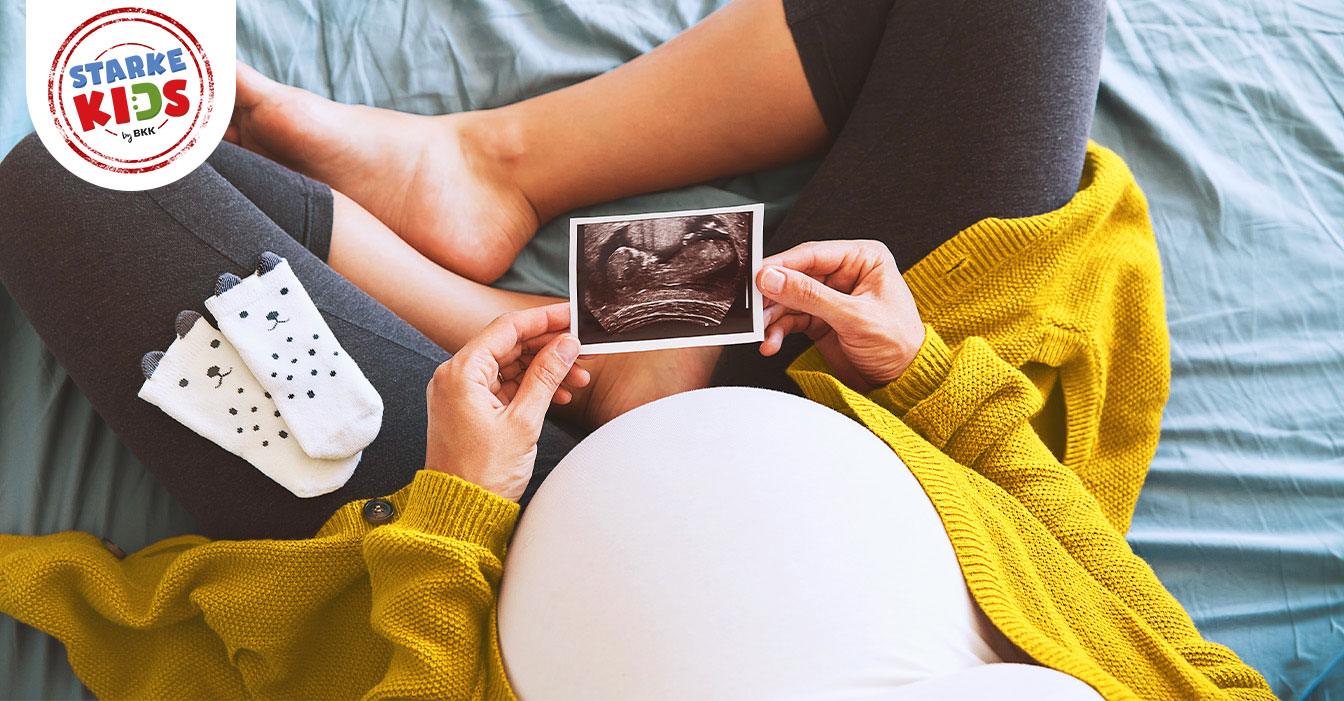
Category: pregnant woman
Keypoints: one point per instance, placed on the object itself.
(1009, 426)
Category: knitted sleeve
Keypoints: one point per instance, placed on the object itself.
(435, 576)
(975, 407)
(404, 609)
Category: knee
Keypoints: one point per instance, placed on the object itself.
(23, 174)
(26, 166)
(30, 182)
(44, 202)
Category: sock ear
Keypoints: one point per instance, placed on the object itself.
(225, 283)
(268, 262)
(185, 320)
(150, 362)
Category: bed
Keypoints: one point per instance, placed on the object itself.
(1230, 113)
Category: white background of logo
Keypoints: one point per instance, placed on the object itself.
(103, 155)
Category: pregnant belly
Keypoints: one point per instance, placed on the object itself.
(733, 543)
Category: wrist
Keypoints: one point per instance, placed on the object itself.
(920, 379)
(499, 140)
(905, 348)
(506, 483)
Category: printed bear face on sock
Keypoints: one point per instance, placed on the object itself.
(331, 408)
(248, 409)
(203, 382)
(301, 359)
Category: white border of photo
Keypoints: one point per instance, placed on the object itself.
(754, 302)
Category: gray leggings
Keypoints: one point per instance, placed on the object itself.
(944, 112)
(101, 275)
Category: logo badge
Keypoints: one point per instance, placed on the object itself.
(131, 98)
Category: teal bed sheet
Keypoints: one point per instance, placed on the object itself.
(1229, 112)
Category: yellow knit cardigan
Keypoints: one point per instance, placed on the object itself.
(1029, 417)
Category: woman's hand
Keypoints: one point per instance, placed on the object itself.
(487, 403)
(849, 298)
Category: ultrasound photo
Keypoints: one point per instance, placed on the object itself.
(666, 280)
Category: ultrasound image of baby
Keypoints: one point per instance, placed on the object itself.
(679, 273)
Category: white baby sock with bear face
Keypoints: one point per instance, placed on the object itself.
(330, 406)
(202, 382)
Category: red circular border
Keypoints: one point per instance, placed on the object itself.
(207, 81)
(206, 76)
(60, 99)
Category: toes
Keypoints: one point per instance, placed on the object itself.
(150, 362)
(185, 320)
(226, 282)
(268, 262)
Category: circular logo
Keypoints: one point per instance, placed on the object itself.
(130, 89)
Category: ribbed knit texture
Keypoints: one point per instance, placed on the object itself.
(402, 610)
(1015, 309)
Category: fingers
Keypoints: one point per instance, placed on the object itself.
(503, 342)
(801, 292)
(819, 258)
(502, 337)
(508, 390)
(839, 264)
(577, 377)
(541, 383)
(788, 323)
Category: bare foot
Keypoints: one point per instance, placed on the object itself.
(441, 183)
(624, 381)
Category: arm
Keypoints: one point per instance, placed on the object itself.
(435, 575)
(404, 609)
(976, 408)
(1025, 518)
(435, 571)
(318, 618)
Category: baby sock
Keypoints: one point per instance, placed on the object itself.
(330, 406)
(203, 383)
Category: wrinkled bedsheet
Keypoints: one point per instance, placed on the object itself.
(1231, 114)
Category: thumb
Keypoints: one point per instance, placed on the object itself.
(804, 293)
(543, 377)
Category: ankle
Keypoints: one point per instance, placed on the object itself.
(497, 142)
(526, 139)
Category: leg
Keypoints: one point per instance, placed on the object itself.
(942, 114)
(101, 274)
(469, 190)
(444, 306)
(726, 96)
(366, 252)
(300, 206)
(951, 113)
(957, 112)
